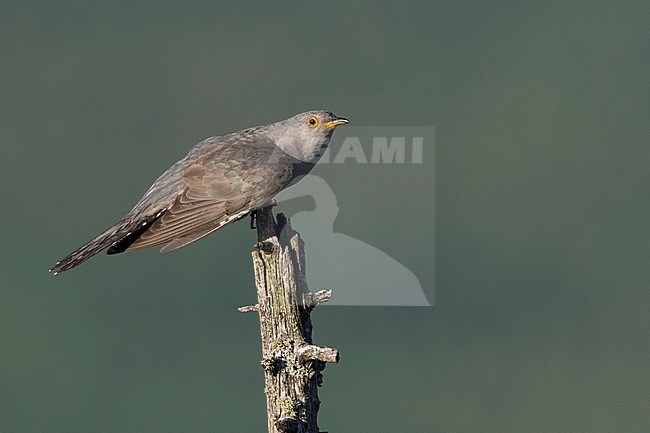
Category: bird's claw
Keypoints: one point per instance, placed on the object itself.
(253, 220)
(265, 246)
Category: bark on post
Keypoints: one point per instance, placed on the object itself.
(292, 364)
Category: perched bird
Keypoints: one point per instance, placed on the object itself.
(221, 180)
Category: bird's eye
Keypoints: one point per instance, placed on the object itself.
(313, 121)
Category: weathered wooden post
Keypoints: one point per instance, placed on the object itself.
(292, 364)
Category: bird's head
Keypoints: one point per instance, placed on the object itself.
(305, 136)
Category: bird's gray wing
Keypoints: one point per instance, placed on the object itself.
(220, 187)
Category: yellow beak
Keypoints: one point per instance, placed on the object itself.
(336, 122)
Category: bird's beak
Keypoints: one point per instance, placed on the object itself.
(336, 122)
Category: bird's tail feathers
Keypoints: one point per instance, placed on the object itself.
(89, 249)
(124, 229)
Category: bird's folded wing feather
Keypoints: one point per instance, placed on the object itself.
(220, 187)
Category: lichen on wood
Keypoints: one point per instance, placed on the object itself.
(292, 364)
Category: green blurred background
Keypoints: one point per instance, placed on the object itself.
(541, 111)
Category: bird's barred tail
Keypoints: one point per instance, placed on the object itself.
(83, 253)
(118, 237)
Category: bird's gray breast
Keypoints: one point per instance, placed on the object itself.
(299, 170)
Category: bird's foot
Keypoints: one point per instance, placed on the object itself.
(253, 220)
(264, 246)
